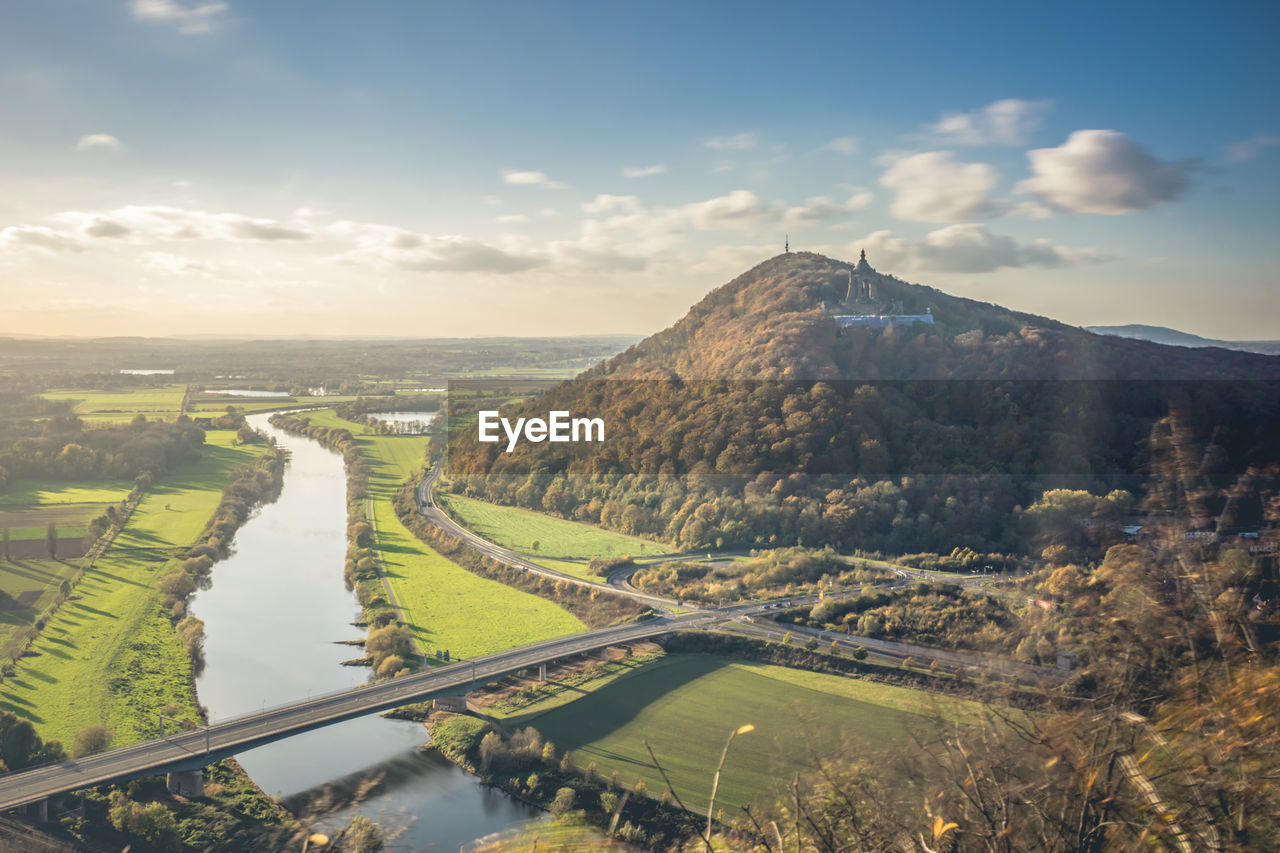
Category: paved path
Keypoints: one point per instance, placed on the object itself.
(429, 508)
(192, 749)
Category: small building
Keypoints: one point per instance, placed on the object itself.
(883, 321)
(1066, 661)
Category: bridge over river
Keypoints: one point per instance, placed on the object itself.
(192, 750)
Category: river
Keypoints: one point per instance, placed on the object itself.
(273, 616)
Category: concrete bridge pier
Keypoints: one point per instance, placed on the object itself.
(42, 810)
(187, 783)
(542, 672)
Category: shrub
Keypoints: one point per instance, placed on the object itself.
(90, 740)
(390, 666)
(389, 640)
(563, 802)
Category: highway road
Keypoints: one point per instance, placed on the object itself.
(192, 749)
(428, 506)
(897, 651)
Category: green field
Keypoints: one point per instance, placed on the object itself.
(29, 586)
(560, 542)
(216, 404)
(28, 507)
(686, 706)
(446, 606)
(509, 372)
(110, 654)
(162, 403)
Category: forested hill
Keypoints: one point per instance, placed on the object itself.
(775, 321)
(756, 420)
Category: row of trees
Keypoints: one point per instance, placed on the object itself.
(65, 449)
(784, 571)
(1167, 737)
(250, 486)
(388, 645)
(941, 615)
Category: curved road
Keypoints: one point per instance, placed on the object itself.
(430, 510)
(193, 749)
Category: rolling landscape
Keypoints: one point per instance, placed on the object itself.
(818, 535)
(619, 427)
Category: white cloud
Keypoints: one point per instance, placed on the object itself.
(102, 227)
(194, 19)
(935, 187)
(159, 222)
(820, 208)
(606, 203)
(387, 246)
(843, 145)
(548, 211)
(243, 228)
(643, 171)
(1007, 122)
(1030, 210)
(1102, 171)
(740, 207)
(533, 179)
(511, 219)
(1240, 152)
(99, 140)
(736, 142)
(22, 237)
(967, 248)
(176, 264)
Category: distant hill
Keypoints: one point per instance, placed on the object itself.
(758, 419)
(1173, 337)
(777, 321)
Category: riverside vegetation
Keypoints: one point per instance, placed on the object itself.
(121, 649)
(443, 605)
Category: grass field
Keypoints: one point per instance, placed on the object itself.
(110, 655)
(557, 539)
(446, 606)
(163, 402)
(216, 404)
(686, 705)
(29, 587)
(28, 507)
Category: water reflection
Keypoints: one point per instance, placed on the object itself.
(273, 618)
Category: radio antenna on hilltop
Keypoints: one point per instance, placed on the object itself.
(786, 245)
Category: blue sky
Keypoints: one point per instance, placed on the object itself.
(225, 166)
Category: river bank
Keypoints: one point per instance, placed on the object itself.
(276, 616)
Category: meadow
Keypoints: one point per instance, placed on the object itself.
(443, 604)
(27, 588)
(164, 402)
(686, 706)
(202, 405)
(27, 507)
(110, 654)
(561, 544)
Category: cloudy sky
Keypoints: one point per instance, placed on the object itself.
(413, 168)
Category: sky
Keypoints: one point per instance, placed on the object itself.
(304, 167)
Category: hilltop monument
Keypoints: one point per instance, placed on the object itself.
(868, 304)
